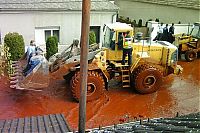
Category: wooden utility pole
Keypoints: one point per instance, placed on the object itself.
(84, 63)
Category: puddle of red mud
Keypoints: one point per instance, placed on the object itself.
(177, 94)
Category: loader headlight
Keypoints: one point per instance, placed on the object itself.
(195, 40)
(102, 53)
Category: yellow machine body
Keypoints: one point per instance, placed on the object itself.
(189, 45)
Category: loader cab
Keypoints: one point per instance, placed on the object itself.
(113, 39)
(195, 32)
(195, 35)
(113, 35)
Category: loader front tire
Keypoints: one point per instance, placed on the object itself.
(190, 55)
(95, 86)
(147, 79)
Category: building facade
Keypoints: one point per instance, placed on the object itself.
(39, 19)
(167, 11)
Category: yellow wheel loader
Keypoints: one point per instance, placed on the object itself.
(189, 45)
(151, 61)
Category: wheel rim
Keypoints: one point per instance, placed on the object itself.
(149, 81)
(191, 56)
(91, 88)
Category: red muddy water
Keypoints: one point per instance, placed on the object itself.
(177, 94)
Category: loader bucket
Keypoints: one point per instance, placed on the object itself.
(37, 79)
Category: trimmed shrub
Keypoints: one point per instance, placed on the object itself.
(51, 46)
(92, 37)
(127, 20)
(157, 20)
(15, 42)
(134, 23)
(140, 23)
(122, 19)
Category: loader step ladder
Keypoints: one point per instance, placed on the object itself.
(125, 77)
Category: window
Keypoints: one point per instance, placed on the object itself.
(96, 30)
(56, 33)
(42, 33)
(49, 33)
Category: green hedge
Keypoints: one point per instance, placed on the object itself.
(51, 46)
(15, 42)
(140, 23)
(127, 20)
(92, 37)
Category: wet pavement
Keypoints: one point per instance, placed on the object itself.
(177, 94)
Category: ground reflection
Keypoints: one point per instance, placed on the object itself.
(176, 94)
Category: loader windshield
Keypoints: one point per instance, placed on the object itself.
(196, 31)
(109, 38)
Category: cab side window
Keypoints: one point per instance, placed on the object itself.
(107, 40)
(120, 41)
(113, 39)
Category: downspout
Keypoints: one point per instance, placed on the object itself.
(115, 16)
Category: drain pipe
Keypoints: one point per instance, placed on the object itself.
(84, 63)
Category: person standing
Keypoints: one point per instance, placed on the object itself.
(75, 50)
(159, 33)
(34, 61)
(127, 49)
(171, 29)
(165, 36)
(30, 50)
(29, 53)
(171, 33)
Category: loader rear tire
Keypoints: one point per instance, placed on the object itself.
(95, 86)
(147, 79)
(190, 55)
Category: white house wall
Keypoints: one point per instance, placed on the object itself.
(69, 23)
(166, 14)
(17, 22)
